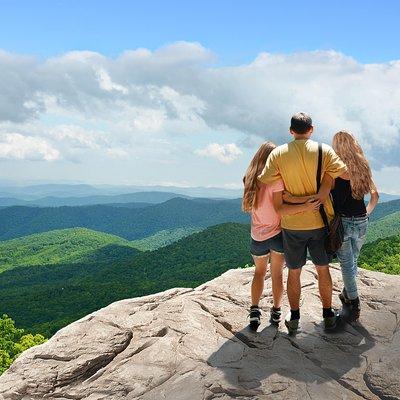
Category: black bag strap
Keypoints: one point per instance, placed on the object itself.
(319, 169)
(319, 172)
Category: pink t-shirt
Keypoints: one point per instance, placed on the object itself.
(265, 221)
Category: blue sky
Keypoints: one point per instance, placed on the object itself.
(183, 92)
(235, 30)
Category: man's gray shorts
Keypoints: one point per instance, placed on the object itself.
(296, 244)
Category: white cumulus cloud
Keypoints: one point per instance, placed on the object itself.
(225, 153)
(19, 147)
(144, 97)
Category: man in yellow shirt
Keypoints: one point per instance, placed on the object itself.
(296, 164)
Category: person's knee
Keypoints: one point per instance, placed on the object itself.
(294, 272)
(294, 275)
(260, 272)
(324, 275)
(322, 269)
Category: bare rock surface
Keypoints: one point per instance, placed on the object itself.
(193, 344)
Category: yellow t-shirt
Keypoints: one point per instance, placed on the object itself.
(296, 164)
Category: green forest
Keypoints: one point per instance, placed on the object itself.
(382, 255)
(388, 225)
(128, 223)
(163, 238)
(44, 299)
(14, 341)
(62, 247)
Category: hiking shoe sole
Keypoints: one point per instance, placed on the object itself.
(254, 325)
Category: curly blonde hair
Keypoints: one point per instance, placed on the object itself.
(255, 168)
(349, 150)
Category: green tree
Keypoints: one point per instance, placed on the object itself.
(14, 341)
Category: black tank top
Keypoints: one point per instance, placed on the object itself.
(344, 202)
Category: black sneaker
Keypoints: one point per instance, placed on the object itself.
(292, 325)
(255, 317)
(352, 307)
(276, 316)
(332, 323)
(355, 309)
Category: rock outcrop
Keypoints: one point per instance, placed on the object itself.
(192, 344)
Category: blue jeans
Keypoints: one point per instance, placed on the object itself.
(355, 230)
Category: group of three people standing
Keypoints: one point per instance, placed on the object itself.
(281, 193)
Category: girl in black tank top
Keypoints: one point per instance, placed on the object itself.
(345, 204)
(348, 196)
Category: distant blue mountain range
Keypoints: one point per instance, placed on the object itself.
(54, 195)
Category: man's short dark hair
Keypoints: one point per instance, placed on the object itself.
(300, 123)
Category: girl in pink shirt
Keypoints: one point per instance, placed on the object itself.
(266, 237)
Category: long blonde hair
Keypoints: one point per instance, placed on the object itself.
(349, 150)
(255, 168)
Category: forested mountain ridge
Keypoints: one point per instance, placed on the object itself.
(142, 198)
(385, 208)
(44, 299)
(388, 225)
(128, 223)
(134, 221)
(63, 246)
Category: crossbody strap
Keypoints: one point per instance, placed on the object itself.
(319, 172)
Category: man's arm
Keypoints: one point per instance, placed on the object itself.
(322, 195)
(325, 188)
(289, 209)
(289, 198)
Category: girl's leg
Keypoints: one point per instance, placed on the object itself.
(257, 285)
(277, 261)
(346, 258)
(351, 290)
(357, 241)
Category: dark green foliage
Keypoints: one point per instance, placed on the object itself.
(384, 227)
(382, 255)
(64, 246)
(47, 298)
(14, 341)
(128, 223)
(163, 238)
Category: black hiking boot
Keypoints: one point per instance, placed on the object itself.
(352, 308)
(331, 323)
(276, 316)
(255, 317)
(292, 325)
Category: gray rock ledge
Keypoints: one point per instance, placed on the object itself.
(193, 344)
